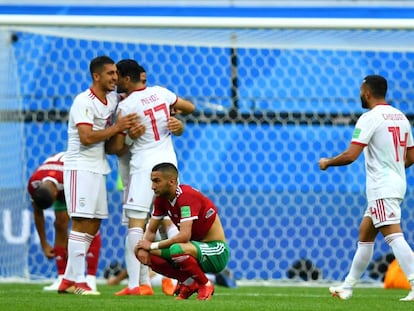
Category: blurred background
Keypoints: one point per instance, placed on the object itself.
(271, 100)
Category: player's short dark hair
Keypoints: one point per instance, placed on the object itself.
(43, 197)
(377, 84)
(99, 62)
(166, 168)
(131, 68)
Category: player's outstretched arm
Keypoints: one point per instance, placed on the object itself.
(39, 220)
(345, 158)
(183, 106)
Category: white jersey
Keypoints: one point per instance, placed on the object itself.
(152, 104)
(87, 108)
(386, 133)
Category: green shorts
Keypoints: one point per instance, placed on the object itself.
(59, 206)
(212, 256)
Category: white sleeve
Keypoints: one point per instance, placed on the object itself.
(364, 129)
(82, 111)
(170, 97)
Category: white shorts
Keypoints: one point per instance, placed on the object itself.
(384, 212)
(139, 194)
(85, 194)
(129, 213)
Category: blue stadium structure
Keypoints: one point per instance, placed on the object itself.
(253, 145)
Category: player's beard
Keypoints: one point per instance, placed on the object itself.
(120, 90)
(364, 102)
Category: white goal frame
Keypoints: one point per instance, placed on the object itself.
(205, 22)
(45, 23)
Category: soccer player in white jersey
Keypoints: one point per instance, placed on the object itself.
(384, 134)
(153, 106)
(143, 285)
(86, 165)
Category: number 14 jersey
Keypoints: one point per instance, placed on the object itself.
(386, 134)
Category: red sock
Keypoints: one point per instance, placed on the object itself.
(92, 257)
(61, 257)
(166, 268)
(189, 264)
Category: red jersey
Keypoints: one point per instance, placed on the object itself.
(189, 204)
(51, 169)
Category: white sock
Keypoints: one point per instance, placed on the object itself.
(403, 253)
(91, 281)
(360, 262)
(88, 241)
(75, 267)
(132, 264)
(156, 279)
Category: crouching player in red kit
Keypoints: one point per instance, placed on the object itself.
(45, 188)
(200, 245)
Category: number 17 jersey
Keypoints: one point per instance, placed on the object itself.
(152, 104)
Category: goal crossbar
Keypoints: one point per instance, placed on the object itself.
(204, 22)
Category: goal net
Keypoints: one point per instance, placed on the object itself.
(270, 102)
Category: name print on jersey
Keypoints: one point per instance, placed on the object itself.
(150, 99)
(393, 116)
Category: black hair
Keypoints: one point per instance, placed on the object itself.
(99, 62)
(43, 197)
(166, 168)
(377, 84)
(131, 68)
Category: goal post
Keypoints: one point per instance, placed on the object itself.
(14, 218)
(271, 96)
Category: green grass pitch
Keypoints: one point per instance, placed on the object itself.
(28, 297)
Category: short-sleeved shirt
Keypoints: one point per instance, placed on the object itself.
(386, 133)
(51, 169)
(189, 204)
(88, 109)
(152, 104)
